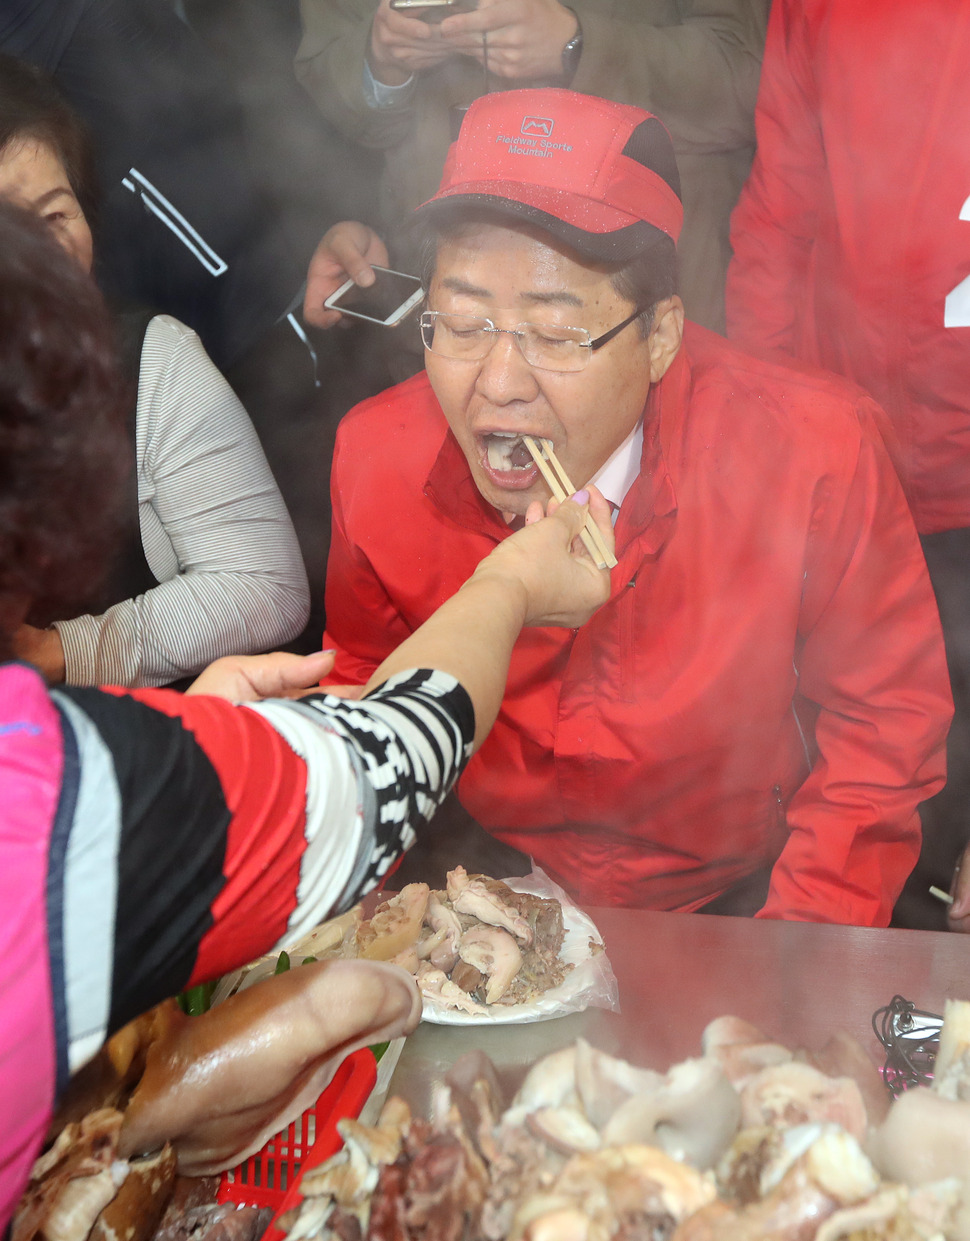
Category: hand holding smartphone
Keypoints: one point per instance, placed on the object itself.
(433, 10)
(391, 297)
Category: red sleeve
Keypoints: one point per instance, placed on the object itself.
(264, 785)
(871, 650)
(775, 221)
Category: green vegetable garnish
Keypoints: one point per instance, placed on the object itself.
(195, 1000)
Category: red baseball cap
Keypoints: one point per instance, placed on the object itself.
(600, 176)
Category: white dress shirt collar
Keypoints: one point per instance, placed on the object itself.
(618, 473)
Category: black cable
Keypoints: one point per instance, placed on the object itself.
(911, 1038)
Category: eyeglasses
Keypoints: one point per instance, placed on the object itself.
(469, 338)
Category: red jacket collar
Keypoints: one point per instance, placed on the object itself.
(450, 487)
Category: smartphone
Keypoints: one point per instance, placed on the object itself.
(433, 10)
(391, 297)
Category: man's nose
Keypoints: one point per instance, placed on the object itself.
(505, 376)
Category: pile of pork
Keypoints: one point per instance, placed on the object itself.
(145, 1127)
(476, 943)
(93, 1182)
(746, 1143)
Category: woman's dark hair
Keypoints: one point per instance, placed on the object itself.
(63, 448)
(31, 107)
(644, 280)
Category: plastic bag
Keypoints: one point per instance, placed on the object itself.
(591, 982)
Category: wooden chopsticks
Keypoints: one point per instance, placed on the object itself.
(562, 489)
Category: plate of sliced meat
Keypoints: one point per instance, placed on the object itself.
(491, 950)
(586, 979)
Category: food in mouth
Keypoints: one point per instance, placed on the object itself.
(506, 453)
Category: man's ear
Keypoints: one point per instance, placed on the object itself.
(665, 336)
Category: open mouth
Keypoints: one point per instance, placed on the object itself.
(505, 452)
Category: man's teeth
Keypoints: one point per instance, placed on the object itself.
(507, 451)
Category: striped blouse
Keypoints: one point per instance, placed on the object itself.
(214, 527)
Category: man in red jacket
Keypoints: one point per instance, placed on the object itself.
(751, 721)
(852, 251)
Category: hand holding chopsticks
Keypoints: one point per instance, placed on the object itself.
(561, 488)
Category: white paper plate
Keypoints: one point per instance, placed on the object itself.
(589, 982)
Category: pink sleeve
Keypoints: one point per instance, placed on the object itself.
(31, 763)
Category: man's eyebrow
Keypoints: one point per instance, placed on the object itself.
(559, 297)
(455, 285)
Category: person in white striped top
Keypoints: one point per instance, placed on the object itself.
(211, 565)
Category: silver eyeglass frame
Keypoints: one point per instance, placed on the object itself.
(429, 317)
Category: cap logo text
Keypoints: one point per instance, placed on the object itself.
(523, 144)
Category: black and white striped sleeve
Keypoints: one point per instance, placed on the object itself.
(191, 839)
(409, 741)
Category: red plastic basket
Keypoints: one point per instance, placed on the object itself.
(271, 1177)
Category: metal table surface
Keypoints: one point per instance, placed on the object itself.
(800, 982)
